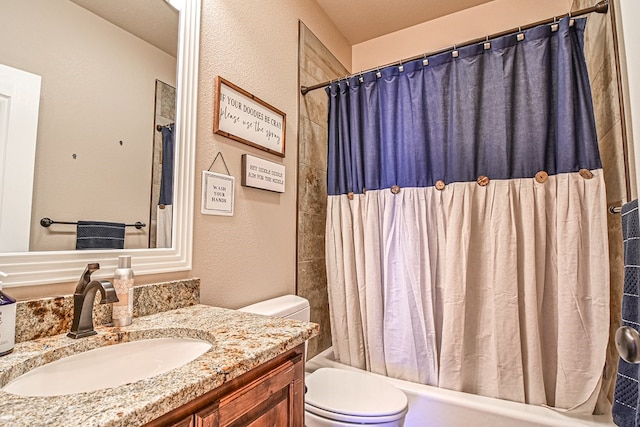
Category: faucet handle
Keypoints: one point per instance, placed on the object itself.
(85, 278)
(109, 294)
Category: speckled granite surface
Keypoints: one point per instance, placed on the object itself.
(52, 316)
(241, 342)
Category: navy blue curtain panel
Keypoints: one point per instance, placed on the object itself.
(166, 183)
(506, 112)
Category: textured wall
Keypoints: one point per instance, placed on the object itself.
(600, 57)
(316, 65)
(251, 256)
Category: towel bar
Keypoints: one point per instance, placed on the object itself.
(46, 222)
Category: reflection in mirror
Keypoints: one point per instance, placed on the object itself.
(93, 169)
(98, 63)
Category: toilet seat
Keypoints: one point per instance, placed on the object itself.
(353, 397)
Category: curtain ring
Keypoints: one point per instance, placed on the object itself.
(425, 61)
(487, 44)
(401, 67)
(555, 25)
(454, 52)
(378, 74)
(520, 35)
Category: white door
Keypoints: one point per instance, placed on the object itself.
(19, 104)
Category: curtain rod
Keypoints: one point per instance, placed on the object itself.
(600, 7)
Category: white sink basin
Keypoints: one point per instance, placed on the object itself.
(109, 366)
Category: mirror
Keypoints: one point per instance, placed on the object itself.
(26, 268)
(100, 67)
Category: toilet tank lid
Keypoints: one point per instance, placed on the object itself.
(283, 306)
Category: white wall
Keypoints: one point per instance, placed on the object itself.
(627, 14)
(480, 21)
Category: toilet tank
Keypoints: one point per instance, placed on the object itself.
(287, 306)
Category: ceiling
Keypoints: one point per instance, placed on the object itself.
(357, 20)
(154, 21)
(361, 20)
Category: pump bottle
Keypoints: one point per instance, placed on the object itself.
(123, 282)
(7, 321)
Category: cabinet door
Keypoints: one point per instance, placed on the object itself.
(277, 416)
(270, 395)
(267, 401)
(186, 422)
(208, 417)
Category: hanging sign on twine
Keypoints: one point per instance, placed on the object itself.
(217, 191)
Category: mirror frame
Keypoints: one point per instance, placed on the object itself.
(47, 267)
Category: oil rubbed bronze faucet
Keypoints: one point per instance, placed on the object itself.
(83, 299)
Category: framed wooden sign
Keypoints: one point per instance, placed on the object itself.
(246, 118)
(262, 174)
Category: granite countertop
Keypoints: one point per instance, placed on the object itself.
(241, 342)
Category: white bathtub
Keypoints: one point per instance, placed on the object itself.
(435, 407)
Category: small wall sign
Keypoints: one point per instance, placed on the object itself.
(217, 194)
(246, 118)
(262, 174)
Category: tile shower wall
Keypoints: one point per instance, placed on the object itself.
(601, 64)
(316, 64)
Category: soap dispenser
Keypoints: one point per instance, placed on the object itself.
(7, 321)
(123, 282)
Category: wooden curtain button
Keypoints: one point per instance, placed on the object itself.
(440, 185)
(542, 177)
(586, 173)
(395, 189)
(483, 181)
(350, 195)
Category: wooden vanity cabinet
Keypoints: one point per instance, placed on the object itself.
(270, 395)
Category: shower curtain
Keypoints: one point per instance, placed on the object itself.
(466, 234)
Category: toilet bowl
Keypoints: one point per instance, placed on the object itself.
(335, 397)
(340, 398)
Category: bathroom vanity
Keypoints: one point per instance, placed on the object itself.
(253, 375)
(269, 395)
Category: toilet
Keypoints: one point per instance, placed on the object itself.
(338, 397)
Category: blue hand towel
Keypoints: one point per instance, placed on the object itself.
(625, 405)
(100, 235)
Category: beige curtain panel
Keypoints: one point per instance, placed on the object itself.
(500, 290)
